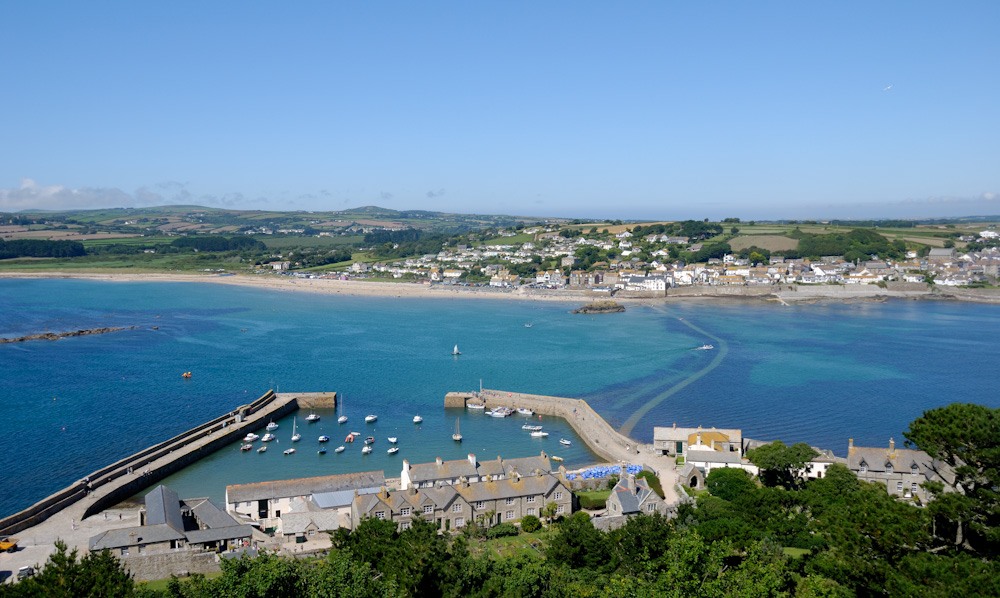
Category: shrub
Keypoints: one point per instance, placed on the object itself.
(502, 530)
(530, 523)
(652, 480)
(593, 500)
(612, 481)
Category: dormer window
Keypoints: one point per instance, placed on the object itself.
(888, 468)
(914, 469)
(863, 467)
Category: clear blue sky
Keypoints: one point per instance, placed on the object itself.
(658, 110)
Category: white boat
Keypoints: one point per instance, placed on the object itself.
(457, 437)
(704, 348)
(267, 437)
(564, 442)
(393, 450)
(324, 438)
(539, 434)
(555, 458)
(251, 437)
(455, 351)
(343, 418)
(339, 449)
(480, 406)
(393, 439)
(355, 433)
(312, 417)
(271, 427)
(295, 435)
(370, 440)
(528, 325)
(289, 451)
(417, 419)
(262, 449)
(531, 428)
(246, 447)
(370, 418)
(366, 450)
(525, 411)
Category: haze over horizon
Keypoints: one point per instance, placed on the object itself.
(640, 111)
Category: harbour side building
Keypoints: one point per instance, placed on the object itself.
(470, 469)
(453, 505)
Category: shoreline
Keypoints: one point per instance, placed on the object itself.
(781, 294)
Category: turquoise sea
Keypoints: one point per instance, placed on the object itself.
(819, 373)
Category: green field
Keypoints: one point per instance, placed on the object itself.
(308, 242)
(515, 240)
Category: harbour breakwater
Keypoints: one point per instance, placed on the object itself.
(120, 480)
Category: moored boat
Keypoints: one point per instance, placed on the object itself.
(555, 458)
(343, 418)
(246, 447)
(312, 417)
(324, 438)
(370, 440)
(370, 418)
(267, 437)
(322, 450)
(455, 351)
(539, 434)
(393, 450)
(262, 449)
(564, 442)
(289, 451)
(295, 435)
(366, 450)
(251, 437)
(417, 419)
(393, 439)
(457, 436)
(272, 426)
(531, 428)
(525, 411)
(339, 449)
(477, 406)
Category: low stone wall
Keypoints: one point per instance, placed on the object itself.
(457, 400)
(145, 567)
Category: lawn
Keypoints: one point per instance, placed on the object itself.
(532, 544)
(595, 499)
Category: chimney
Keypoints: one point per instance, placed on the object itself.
(699, 436)
(713, 444)
(438, 461)
(472, 459)
(892, 446)
(412, 491)
(850, 444)
(406, 465)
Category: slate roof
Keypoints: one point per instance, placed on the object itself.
(303, 486)
(629, 499)
(428, 472)
(210, 515)
(234, 532)
(298, 523)
(902, 460)
(340, 498)
(711, 456)
(133, 536)
(163, 506)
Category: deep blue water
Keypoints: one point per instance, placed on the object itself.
(817, 373)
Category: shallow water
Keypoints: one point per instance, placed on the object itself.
(816, 373)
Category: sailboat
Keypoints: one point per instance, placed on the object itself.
(295, 435)
(343, 418)
(456, 436)
(455, 351)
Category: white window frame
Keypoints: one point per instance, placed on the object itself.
(459, 521)
(531, 498)
(560, 509)
(480, 505)
(509, 501)
(531, 510)
(509, 515)
(428, 509)
(558, 495)
(404, 511)
(379, 514)
(456, 508)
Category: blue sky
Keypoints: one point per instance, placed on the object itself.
(658, 110)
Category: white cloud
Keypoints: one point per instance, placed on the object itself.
(32, 196)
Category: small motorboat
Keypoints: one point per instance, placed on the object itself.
(476, 406)
(312, 417)
(370, 418)
(555, 458)
(531, 428)
(271, 427)
(393, 439)
(289, 451)
(525, 411)
(705, 348)
(246, 447)
(355, 434)
(393, 450)
(322, 450)
(417, 419)
(528, 325)
(564, 442)
(370, 440)
(251, 437)
(342, 419)
(262, 449)
(350, 438)
(339, 449)
(324, 438)
(366, 450)
(267, 437)
(539, 434)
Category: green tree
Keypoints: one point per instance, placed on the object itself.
(729, 483)
(530, 523)
(966, 439)
(780, 464)
(98, 574)
(577, 544)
